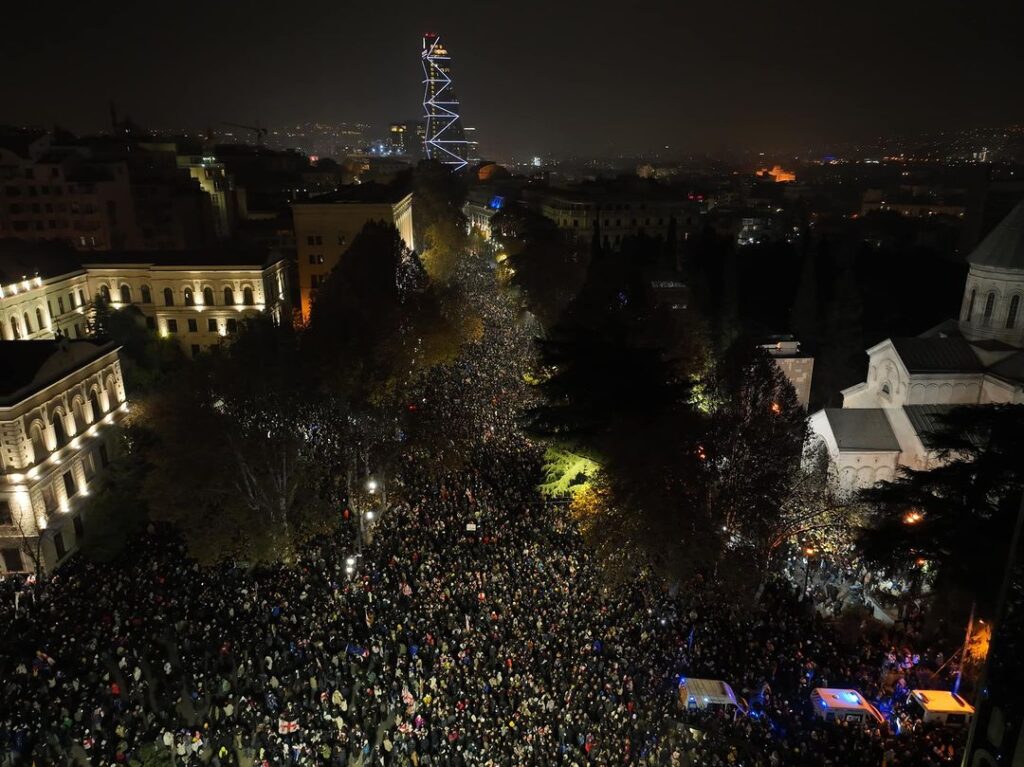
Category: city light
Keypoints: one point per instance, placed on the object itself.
(912, 517)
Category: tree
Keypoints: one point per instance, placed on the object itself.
(445, 243)
(439, 196)
(118, 511)
(379, 321)
(755, 441)
(956, 517)
(804, 318)
(260, 445)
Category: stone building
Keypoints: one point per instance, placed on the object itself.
(59, 402)
(325, 227)
(196, 297)
(977, 359)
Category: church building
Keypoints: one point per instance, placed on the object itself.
(977, 359)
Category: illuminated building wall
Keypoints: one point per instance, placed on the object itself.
(326, 226)
(445, 139)
(196, 304)
(55, 444)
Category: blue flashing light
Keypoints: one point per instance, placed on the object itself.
(850, 697)
(823, 702)
(497, 202)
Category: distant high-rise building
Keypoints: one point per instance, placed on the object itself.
(444, 140)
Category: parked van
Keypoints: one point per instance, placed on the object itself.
(940, 706)
(698, 694)
(834, 705)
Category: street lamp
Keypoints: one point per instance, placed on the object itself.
(808, 553)
(371, 486)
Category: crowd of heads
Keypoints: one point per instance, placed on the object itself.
(474, 629)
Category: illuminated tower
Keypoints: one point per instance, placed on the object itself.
(444, 139)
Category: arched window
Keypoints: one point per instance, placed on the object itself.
(190, 300)
(112, 397)
(126, 294)
(208, 296)
(28, 323)
(885, 389)
(168, 297)
(81, 298)
(104, 291)
(229, 297)
(970, 307)
(39, 318)
(94, 400)
(59, 431)
(147, 297)
(38, 443)
(1011, 316)
(990, 305)
(15, 329)
(76, 411)
(247, 296)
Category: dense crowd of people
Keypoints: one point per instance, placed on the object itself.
(473, 630)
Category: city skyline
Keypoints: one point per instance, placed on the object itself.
(697, 79)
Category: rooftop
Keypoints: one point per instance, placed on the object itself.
(30, 366)
(1003, 248)
(862, 429)
(937, 354)
(371, 192)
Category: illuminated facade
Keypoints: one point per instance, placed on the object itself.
(58, 406)
(197, 299)
(326, 226)
(445, 139)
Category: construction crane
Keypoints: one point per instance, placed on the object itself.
(258, 132)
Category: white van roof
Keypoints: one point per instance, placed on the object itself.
(942, 702)
(844, 700)
(709, 690)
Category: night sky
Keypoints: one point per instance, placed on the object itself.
(592, 76)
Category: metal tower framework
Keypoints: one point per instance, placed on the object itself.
(444, 139)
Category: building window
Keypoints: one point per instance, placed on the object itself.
(195, 350)
(172, 326)
(1011, 316)
(5, 513)
(60, 304)
(151, 323)
(147, 297)
(211, 325)
(208, 296)
(310, 239)
(990, 305)
(126, 294)
(69, 484)
(104, 456)
(232, 326)
(12, 560)
(247, 298)
(79, 528)
(81, 298)
(58, 543)
(168, 297)
(104, 291)
(28, 323)
(88, 466)
(15, 328)
(58, 430)
(189, 298)
(229, 297)
(39, 319)
(193, 326)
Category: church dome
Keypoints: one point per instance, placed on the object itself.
(993, 305)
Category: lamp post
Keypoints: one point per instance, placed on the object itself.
(808, 553)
